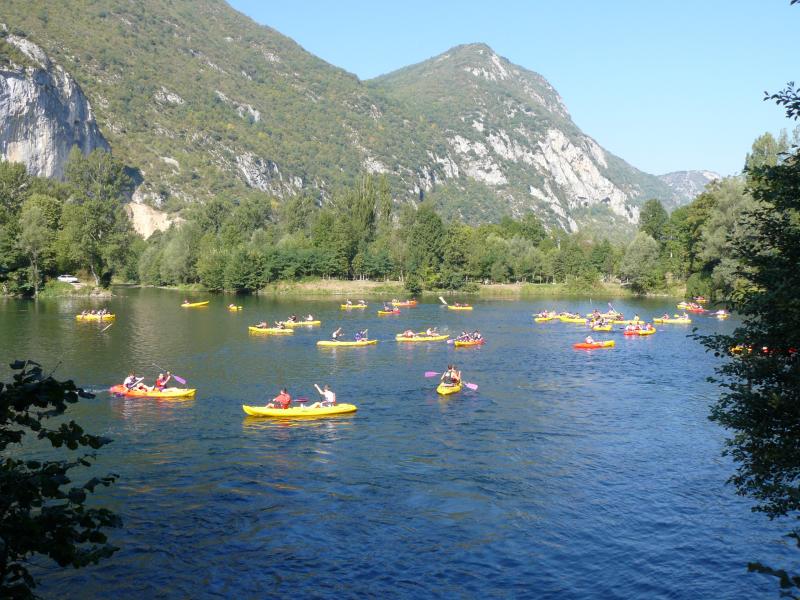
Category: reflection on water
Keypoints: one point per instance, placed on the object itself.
(566, 475)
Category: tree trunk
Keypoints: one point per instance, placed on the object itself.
(35, 267)
(96, 278)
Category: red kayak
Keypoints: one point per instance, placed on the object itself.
(169, 392)
(593, 345)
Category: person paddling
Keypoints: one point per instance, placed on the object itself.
(131, 381)
(161, 381)
(337, 334)
(328, 397)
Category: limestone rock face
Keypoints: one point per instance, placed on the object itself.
(688, 184)
(43, 114)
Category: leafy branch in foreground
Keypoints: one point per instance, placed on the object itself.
(760, 403)
(39, 513)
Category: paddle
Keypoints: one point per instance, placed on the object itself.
(177, 378)
(471, 386)
(106, 327)
(443, 300)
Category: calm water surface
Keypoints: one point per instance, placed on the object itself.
(568, 474)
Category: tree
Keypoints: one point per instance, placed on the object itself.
(95, 229)
(640, 263)
(760, 402)
(39, 515)
(34, 238)
(425, 240)
(653, 218)
(766, 151)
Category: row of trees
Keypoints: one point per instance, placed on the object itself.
(48, 226)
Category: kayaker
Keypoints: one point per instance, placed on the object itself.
(362, 302)
(309, 317)
(282, 400)
(131, 381)
(451, 376)
(161, 381)
(589, 339)
(361, 335)
(337, 334)
(348, 302)
(408, 333)
(476, 336)
(280, 325)
(231, 306)
(262, 325)
(430, 331)
(293, 319)
(387, 307)
(464, 337)
(328, 397)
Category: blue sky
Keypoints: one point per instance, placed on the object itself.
(665, 85)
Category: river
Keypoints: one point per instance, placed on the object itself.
(567, 474)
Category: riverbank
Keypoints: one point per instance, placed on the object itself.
(346, 288)
(321, 288)
(59, 289)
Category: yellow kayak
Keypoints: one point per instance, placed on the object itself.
(421, 338)
(446, 389)
(451, 307)
(349, 306)
(106, 317)
(195, 304)
(301, 323)
(270, 330)
(328, 343)
(646, 331)
(299, 412)
(572, 320)
(235, 308)
(679, 321)
(602, 328)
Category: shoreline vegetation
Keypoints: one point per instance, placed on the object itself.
(342, 288)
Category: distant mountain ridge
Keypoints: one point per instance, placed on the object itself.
(688, 184)
(203, 101)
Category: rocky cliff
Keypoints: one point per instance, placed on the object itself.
(43, 112)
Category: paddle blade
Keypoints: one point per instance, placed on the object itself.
(450, 341)
(443, 300)
(431, 373)
(471, 386)
(179, 379)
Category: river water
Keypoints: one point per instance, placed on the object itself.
(568, 474)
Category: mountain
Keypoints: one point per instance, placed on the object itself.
(506, 127)
(199, 100)
(687, 184)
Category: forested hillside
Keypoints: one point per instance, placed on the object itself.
(198, 100)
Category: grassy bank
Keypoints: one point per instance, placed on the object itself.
(322, 288)
(59, 289)
(345, 288)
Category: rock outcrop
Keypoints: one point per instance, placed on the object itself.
(687, 184)
(43, 113)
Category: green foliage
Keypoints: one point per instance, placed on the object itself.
(653, 218)
(39, 513)
(640, 263)
(760, 403)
